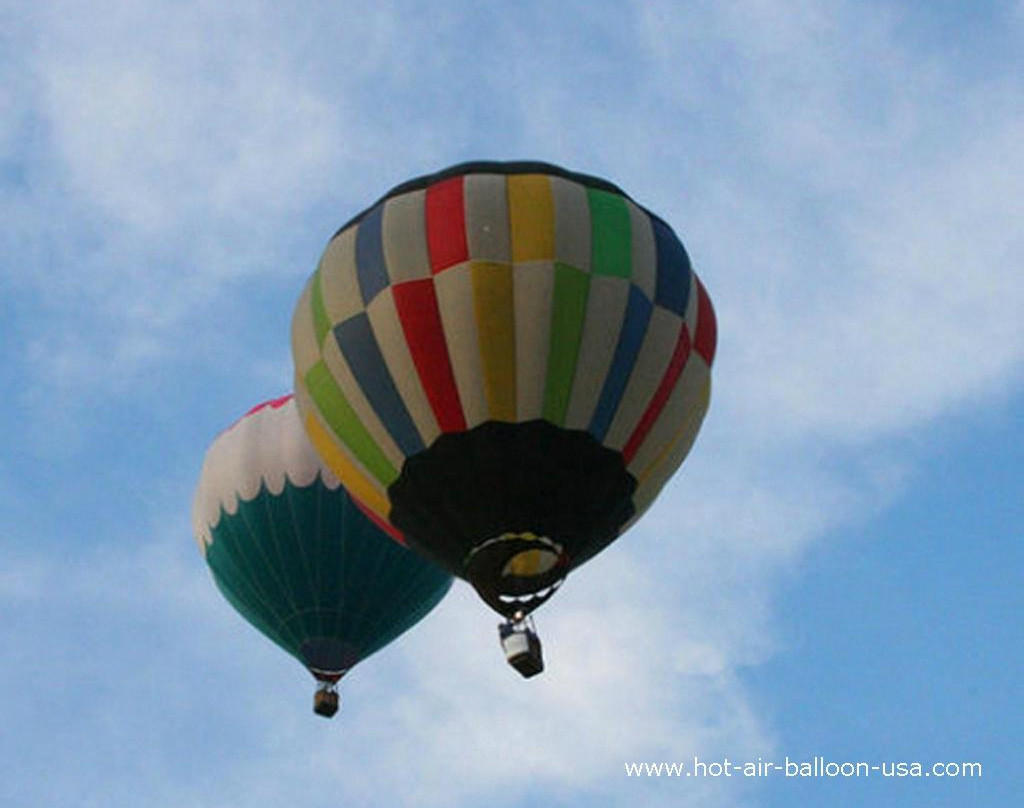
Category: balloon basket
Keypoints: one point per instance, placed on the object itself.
(325, 700)
(521, 645)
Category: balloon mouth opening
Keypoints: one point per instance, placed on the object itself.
(328, 677)
(328, 658)
(516, 572)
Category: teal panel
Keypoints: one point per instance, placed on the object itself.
(308, 565)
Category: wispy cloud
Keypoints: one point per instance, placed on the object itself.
(862, 241)
(137, 646)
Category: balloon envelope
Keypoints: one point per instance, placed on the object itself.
(293, 554)
(506, 362)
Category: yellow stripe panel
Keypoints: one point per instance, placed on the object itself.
(356, 481)
(494, 306)
(532, 215)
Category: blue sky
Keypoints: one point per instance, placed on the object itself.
(836, 571)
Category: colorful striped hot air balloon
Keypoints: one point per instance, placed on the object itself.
(505, 362)
(296, 557)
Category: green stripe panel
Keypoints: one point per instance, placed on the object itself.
(342, 419)
(610, 234)
(568, 310)
(321, 323)
(331, 573)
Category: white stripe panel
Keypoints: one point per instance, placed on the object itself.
(346, 380)
(691, 306)
(487, 224)
(645, 255)
(690, 391)
(606, 308)
(454, 289)
(387, 328)
(658, 476)
(572, 223)
(305, 351)
(404, 233)
(338, 281)
(652, 362)
(533, 287)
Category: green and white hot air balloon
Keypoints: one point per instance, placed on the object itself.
(296, 557)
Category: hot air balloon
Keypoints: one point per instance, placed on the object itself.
(505, 362)
(296, 557)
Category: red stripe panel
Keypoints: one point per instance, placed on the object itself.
(275, 403)
(668, 382)
(446, 225)
(706, 339)
(416, 303)
(387, 527)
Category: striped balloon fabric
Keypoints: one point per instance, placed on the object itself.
(542, 315)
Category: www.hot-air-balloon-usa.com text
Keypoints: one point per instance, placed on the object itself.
(816, 767)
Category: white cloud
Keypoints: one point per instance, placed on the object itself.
(145, 136)
(177, 154)
(861, 242)
(157, 658)
(618, 687)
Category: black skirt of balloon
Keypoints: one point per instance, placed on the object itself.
(513, 507)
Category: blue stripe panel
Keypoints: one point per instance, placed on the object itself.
(359, 347)
(370, 267)
(672, 290)
(631, 337)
